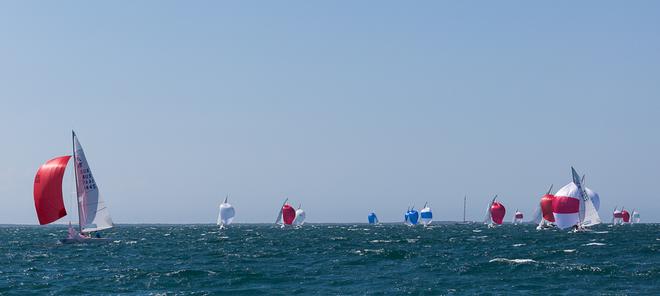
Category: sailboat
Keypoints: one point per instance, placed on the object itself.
(411, 217)
(544, 216)
(300, 217)
(635, 217)
(494, 213)
(517, 217)
(372, 218)
(625, 216)
(226, 214)
(464, 206)
(616, 216)
(286, 215)
(93, 215)
(426, 215)
(572, 207)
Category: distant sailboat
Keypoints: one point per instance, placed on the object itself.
(616, 216)
(372, 218)
(300, 217)
(517, 217)
(411, 217)
(93, 215)
(494, 213)
(426, 215)
(464, 206)
(572, 207)
(286, 215)
(226, 214)
(635, 217)
(625, 216)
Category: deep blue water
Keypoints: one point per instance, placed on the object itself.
(333, 259)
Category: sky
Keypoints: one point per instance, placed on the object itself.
(346, 107)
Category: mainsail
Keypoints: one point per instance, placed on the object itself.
(48, 199)
(92, 211)
(588, 211)
(488, 217)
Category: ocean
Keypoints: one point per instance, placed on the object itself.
(333, 259)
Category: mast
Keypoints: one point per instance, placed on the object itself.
(464, 203)
(75, 172)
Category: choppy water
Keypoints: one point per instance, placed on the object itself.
(333, 259)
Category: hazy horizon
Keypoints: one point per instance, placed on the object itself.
(344, 107)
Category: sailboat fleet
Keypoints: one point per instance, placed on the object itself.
(573, 206)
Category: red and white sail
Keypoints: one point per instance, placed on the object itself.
(625, 216)
(48, 199)
(517, 217)
(566, 206)
(573, 207)
(93, 212)
(616, 216)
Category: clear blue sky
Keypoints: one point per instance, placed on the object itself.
(344, 106)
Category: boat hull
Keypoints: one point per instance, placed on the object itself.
(86, 240)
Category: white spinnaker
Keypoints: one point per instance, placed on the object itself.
(300, 217)
(226, 214)
(94, 214)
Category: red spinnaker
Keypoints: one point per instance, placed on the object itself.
(625, 216)
(288, 214)
(546, 207)
(48, 199)
(497, 212)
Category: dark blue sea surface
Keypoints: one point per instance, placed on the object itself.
(347, 259)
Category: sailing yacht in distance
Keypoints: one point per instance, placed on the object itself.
(426, 215)
(372, 218)
(494, 213)
(286, 215)
(93, 215)
(517, 217)
(226, 214)
(300, 216)
(412, 217)
(572, 206)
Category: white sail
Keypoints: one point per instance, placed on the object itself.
(588, 212)
(226, 214)
(92, 210)
(300, 217)
(488, 219)
(538, 215)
